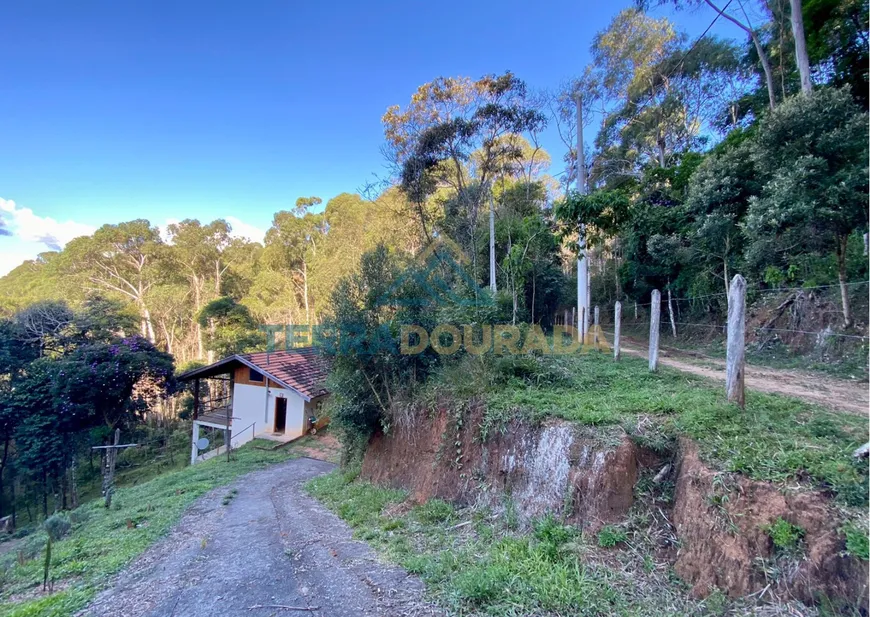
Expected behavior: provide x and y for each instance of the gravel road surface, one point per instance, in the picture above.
(273, 551)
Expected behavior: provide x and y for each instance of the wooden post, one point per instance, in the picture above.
(635, 311)
(735, 359)
(565, 321)
(109, 478)
(617, 324)
(196, 398)
(654, 323)
(597, 326)
(671, 312)
(572, 317)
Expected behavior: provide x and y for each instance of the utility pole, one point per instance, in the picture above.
(492, 287)
(582, 262)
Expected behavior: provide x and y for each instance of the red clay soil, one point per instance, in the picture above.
(590, 479)
(722, 541)
(541, 469)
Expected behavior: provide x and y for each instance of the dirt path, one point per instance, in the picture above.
(831, 392)
(273, 547)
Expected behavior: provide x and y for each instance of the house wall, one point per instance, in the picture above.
(249, 406)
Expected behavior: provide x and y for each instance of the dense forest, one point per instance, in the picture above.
(710, 157)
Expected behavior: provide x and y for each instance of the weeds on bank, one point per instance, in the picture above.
(473, 563)
(102, 541)
(775, 438)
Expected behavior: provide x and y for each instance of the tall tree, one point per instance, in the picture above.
(455, 135)
(811, 154)
(197, 251)
(123, 259)
(291, 244)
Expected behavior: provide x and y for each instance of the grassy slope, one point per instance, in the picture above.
(101, 543)
(475, 563)
(776, 438)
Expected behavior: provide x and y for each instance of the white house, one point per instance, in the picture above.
(272, 395)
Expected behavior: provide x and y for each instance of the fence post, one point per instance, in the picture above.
(655, 318)
(735, 359)
(565, 319)
(671, 312)
(109, 478)
(597, 325)
(617, 324)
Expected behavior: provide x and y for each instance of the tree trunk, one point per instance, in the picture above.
(2, 470)
(44, 495)
(725, 268)
(149, 326)
(671, 312)
(842, 244)
(73, 484)
(197, 300)
(768, 72)
(800, 46)
(305, 292)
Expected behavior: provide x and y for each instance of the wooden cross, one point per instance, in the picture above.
(109, 469)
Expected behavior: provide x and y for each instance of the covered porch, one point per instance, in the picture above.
(213, 417)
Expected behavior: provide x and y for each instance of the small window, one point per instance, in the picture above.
(254, 375)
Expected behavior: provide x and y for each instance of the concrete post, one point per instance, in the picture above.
(654, 324)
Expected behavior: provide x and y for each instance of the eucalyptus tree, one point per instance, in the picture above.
(740, 17)
(658, 95)
(453, 138)
(291, 243)
(197, 251)
(124, 259)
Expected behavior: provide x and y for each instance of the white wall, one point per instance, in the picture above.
(249, 406)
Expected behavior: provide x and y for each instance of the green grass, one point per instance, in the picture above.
(775, 438)
(103, 541)
(610, 536)
(786, 537)
(473, 562)
(857, 541)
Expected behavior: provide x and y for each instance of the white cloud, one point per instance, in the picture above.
(245, 230)
(25, 225)
(24, 234)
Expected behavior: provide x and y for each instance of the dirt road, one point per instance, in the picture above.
(271, 551)
(836, 394)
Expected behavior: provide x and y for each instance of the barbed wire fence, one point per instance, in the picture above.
(677, 330)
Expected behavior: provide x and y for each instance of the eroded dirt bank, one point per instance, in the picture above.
(589, 477)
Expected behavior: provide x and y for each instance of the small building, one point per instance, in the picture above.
(270, 395)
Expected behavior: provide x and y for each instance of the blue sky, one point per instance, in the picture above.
(165, 110)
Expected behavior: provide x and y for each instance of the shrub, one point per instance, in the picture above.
(552, 536)
(610, 536)
(857, 542)
(785, 536)
(433, 511)
(57, 526)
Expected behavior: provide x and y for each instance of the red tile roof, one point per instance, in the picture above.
(302, 369)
